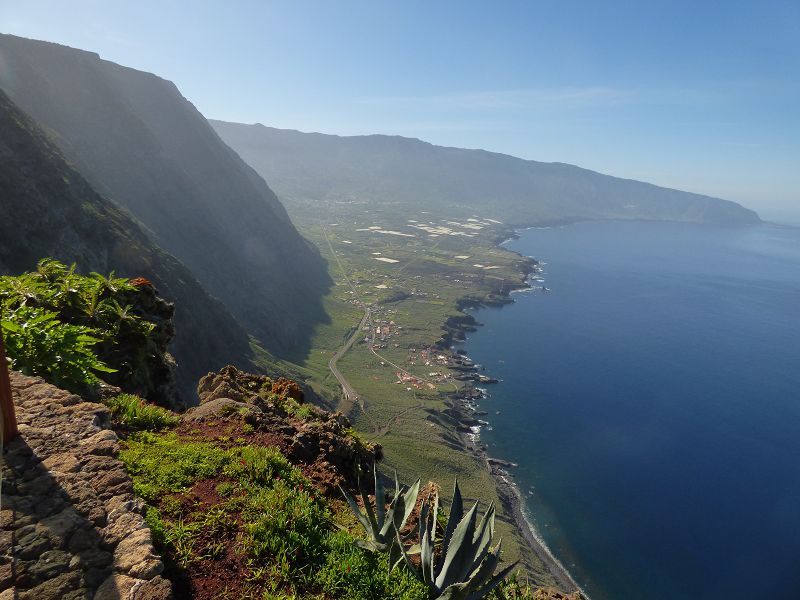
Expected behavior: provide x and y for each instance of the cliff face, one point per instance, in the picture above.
(48, 209)
(144, 146)
(305, 168)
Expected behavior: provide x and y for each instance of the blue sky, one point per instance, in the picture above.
(702, 96)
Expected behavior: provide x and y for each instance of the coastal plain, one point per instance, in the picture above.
(401, 281)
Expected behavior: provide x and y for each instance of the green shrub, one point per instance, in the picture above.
(135, 413)
(38, 343)
(157, 526)
(73, 329)
(286, 525)
(278, 520)
(294, 408)
(513, 588)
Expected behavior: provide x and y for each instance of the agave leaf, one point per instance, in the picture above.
(435, 518)
(380, 498)
(356, 511)
(366, 545)
(368, 508)
(456, 514)
(414, 549)
(422, 520)
(484, 570)
(426, 558)
(406, 557)
(493, 583)
(395, 555)
(389, 517)
(410, 501)
(483, 536)
(459, 559)
(457, 591)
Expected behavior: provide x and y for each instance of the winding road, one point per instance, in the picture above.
(349, 394)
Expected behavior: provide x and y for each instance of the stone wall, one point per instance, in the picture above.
(70, 526)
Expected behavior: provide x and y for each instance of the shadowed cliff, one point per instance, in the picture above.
(144, 146)
(48, 209)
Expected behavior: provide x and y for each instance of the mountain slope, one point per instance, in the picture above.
(307, 167)
(143, 145)
(48, 209)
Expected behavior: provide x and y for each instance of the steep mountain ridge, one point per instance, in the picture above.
(305, 168)
(143, 145)
(48, 209)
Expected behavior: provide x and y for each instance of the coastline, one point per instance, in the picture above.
(509, 493)
(514, 504)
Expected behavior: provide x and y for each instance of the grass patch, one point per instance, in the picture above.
(135, 413)
(271, 515)
(256, 466)
(354, 574)
(162, 464)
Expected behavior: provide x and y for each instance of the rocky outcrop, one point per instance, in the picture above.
(71, 526)
(238, 385)
(323, 444)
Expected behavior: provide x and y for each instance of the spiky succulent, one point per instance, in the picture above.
(465, 569)
(380, 524)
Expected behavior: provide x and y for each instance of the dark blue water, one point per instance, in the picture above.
(652, 400)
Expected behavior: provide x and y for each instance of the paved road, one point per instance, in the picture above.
(349, 394)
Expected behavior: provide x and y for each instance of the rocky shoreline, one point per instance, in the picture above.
(514, 505)
(463, 413)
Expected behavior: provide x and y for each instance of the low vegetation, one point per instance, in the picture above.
(248, 512)
(133, 412)
(74, 330)
(237, 519)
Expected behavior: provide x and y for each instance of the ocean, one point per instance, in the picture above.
(651, 399)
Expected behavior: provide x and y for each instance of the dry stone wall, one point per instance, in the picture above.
(71, 528)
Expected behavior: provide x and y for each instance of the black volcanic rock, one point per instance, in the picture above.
(47, 209)
(144, 146)
(411, 175)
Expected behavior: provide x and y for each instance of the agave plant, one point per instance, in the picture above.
(382, 525)
(465, 569)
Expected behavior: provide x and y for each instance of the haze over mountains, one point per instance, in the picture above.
(305, 168)
(144, 146)
(49, 209)
(114, 169)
